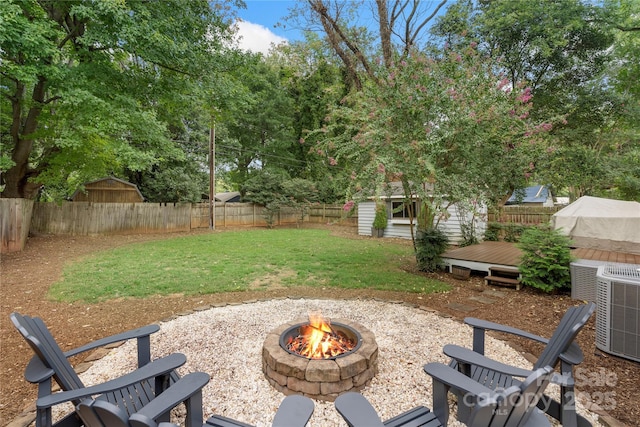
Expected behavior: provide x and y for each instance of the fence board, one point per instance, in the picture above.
(526, 215)
(15, 217)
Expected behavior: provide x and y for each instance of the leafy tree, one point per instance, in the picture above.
(627, 181)
(258, 127)
(580, 59)
(439, 127)
(276, 99)
(97, 88)
(275, 191)
(315, 84)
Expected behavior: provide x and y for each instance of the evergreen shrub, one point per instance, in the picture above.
(431, 243)
(380, 220)
(546, 259)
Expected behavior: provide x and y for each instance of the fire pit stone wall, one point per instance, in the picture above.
(319, 379)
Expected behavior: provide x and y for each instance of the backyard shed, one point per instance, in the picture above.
(604, 224)
(228, 197)
(398, 222)
(108, 190)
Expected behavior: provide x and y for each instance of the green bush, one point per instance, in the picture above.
(430, 245)
(492, 233)
(546, 258)
(512, 232)
(380, 220)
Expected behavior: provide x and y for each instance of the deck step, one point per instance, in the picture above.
(501, 279)
(503, 276)
(505, 270)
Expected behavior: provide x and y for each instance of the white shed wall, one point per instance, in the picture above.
(400, 228)
(366, 213)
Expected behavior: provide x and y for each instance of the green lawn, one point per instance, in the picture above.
(238, 261)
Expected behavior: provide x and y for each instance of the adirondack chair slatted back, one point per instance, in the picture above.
(132, 398)
(517, 403)
(570, 325)
(37, 335)
(101, 414)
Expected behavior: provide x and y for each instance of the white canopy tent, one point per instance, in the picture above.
(604, 224)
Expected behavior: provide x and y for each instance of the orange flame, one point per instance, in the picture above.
(318, 340)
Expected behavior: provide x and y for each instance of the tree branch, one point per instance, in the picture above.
(334, 31)
(429, 18)
(614, 25)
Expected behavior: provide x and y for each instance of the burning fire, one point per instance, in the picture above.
(318, 340)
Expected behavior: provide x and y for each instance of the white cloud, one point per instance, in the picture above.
(256, 38)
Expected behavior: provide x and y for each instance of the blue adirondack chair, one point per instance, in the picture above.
(511, 407)
(560, 349)
(131, 392)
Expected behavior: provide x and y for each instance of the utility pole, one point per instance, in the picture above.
(212, 175)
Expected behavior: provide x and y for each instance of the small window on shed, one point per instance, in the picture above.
(401, 209)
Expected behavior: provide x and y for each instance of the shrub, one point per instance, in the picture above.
(380, 220)
(512, 232)
(468, 231)
(430, 245)
(492, 233)
(546, 258)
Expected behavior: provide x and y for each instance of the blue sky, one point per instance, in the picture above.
(260, 17)
(258, 29)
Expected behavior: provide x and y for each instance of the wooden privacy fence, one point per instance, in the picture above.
(525, 215)
(85, 218)
(15, 216)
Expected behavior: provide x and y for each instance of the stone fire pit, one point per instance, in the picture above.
(323, 379)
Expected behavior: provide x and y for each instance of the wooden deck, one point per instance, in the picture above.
(504, 254)
(596, 255)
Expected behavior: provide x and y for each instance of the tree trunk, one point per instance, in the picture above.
(385, 32)
(16, 178)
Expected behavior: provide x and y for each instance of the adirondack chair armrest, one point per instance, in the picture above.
(480, 326)
(294, 411)
(451, 378)
(188, 390)
(357, 411)
(573, 355)
(465, 356)
(141, 334)
(154, 369)
(36, 371)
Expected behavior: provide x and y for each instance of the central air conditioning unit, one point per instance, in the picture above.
(583, 279)
(618, 316)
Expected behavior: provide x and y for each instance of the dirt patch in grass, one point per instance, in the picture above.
(25, 278)
(272, 281)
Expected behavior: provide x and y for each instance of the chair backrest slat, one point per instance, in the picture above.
(43, 344)
(570, 325)
(514, 405)
(530, 393)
